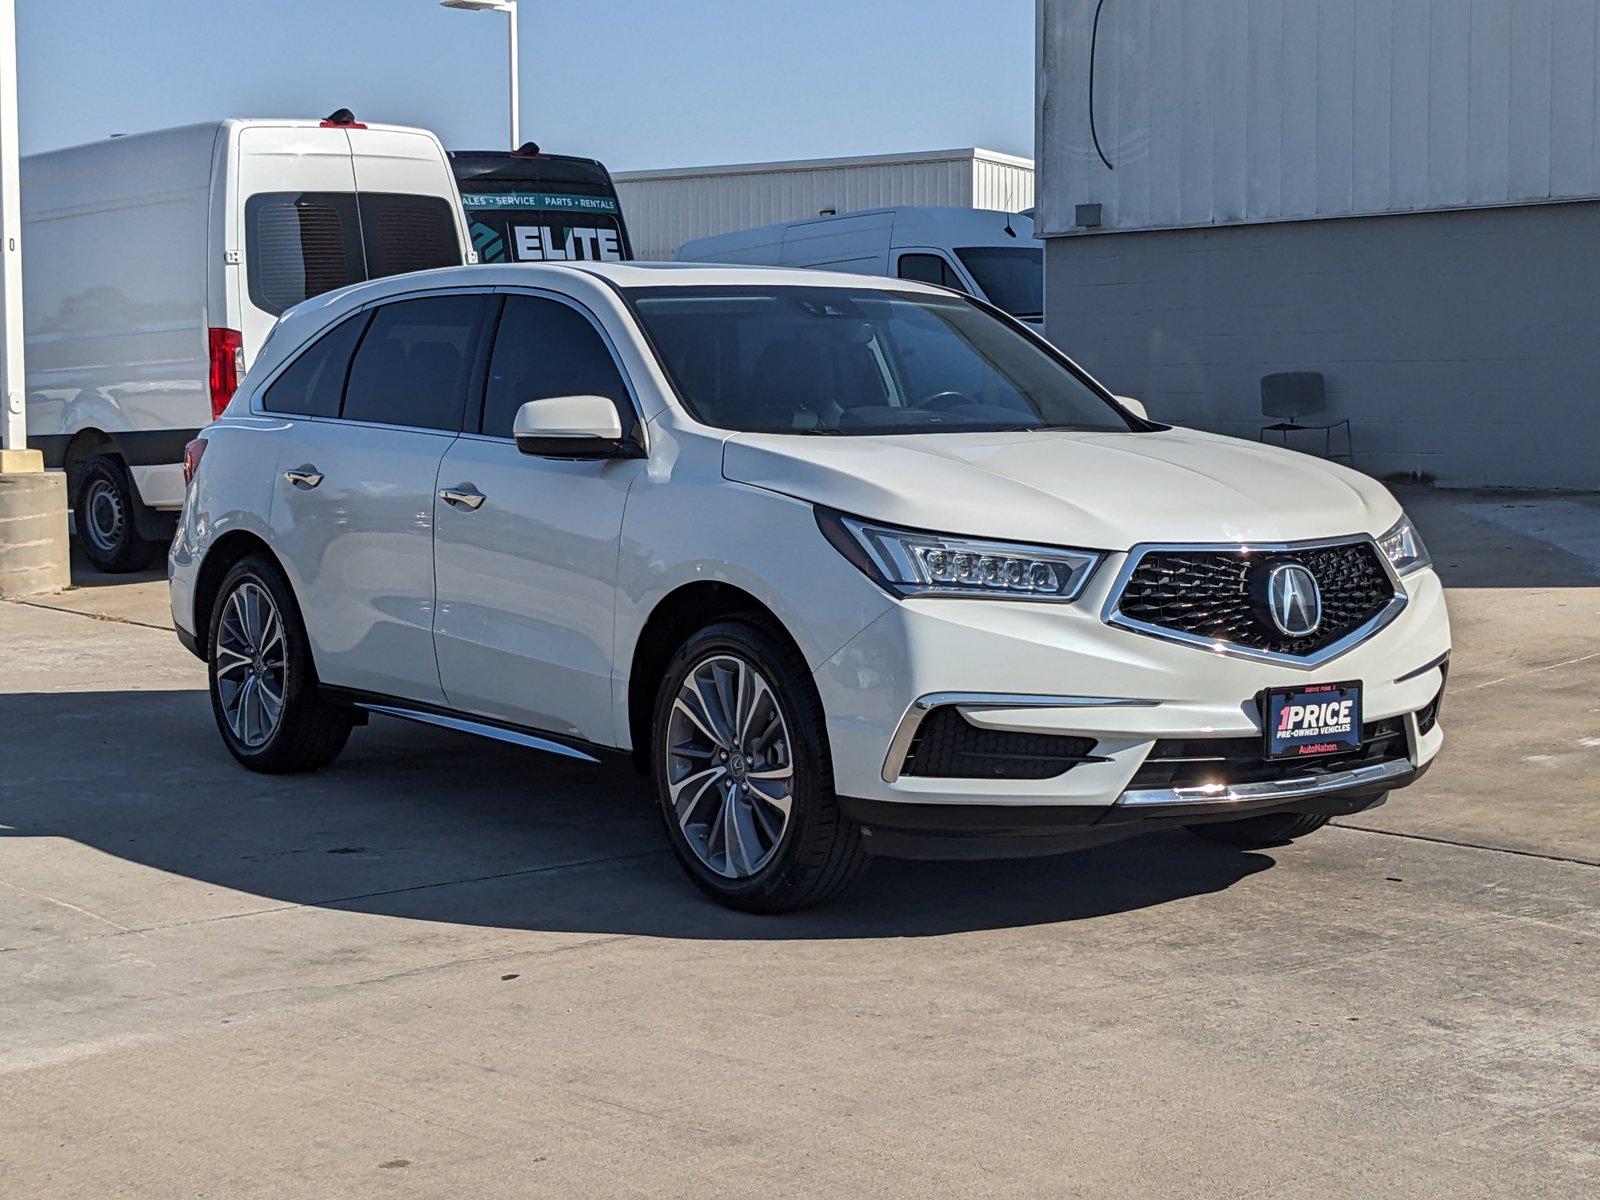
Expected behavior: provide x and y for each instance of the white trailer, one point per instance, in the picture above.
(667, 208)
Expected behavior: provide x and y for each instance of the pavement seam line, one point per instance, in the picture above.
(1535, 670)
(1444, 841)
(93, 616)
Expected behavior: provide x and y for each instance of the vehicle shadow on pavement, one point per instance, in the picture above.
(429, 825)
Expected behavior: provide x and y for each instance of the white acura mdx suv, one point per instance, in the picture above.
(850, 565)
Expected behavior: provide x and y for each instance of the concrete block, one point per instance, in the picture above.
(33, 533)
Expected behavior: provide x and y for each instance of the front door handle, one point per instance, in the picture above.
(463, 495)
(304, 476)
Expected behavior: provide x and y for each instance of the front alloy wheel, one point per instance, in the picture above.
(730, 776)
(743, 776)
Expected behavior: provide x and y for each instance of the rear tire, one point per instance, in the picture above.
(1257, 833)
(737, 724)
(106, 509)
(264, 691)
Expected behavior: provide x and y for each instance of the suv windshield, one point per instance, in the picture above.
(1011, 276)
(788, 359)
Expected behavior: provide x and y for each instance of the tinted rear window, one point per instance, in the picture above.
(407, 233)
(414, 361)
(301, 244)
(314, 382)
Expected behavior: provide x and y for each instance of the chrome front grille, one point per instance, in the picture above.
(1204, 595)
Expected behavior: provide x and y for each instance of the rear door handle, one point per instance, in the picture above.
(463, 495)
(304, 476)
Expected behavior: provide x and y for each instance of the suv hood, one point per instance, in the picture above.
(1104, 491)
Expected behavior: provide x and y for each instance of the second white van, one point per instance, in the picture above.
(155, 266)
(989, 254)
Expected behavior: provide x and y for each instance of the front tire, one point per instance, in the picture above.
(263, 686)
(1257, 833)
(106, 509)
(744, 781)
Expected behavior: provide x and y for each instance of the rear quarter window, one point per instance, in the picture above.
(313, 385)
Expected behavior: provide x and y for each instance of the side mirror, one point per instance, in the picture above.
(572, 427)
(1136, 407)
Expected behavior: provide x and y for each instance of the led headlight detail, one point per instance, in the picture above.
(1403, 547)
(913, 563)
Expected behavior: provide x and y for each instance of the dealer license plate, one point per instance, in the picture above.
(1305, 722)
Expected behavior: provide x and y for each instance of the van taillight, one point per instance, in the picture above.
(191, 460)
(227, 367)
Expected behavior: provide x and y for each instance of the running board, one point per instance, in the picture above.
(464, 725)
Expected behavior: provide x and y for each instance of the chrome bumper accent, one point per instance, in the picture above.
(900, 743)
(1296, 788)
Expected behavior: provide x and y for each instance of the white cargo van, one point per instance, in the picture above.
(988, 254)
(155, 265)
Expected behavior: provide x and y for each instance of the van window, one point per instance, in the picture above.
(546, 348)
(314, 383)
(930, 268)
(414, 361)
(1012, 277)
(301, 244)
(407, 233)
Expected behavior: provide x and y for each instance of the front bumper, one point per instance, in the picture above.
(1061, 670)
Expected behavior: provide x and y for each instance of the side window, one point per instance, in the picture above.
(300, 244)
(546, 348)
(314, 382)
(407, 233)
(414, 361)
(929, 268)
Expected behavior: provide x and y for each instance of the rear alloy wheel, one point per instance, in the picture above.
(742, 773)
(264, 691)
(105, 511)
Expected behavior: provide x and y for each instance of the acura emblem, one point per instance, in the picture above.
(1293, 600)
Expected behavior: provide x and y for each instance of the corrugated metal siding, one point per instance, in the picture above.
(1001, 185)
(665, 210)
(1227, 111)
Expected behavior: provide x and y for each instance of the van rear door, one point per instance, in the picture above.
(411, 218)
(302, 234)
(322, 207)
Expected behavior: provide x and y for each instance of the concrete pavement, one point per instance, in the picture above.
(445, 967)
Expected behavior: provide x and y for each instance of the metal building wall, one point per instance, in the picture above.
(1461, 345)
(664, 209)
(1226, 111)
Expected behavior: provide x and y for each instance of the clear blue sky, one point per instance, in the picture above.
(636, 83)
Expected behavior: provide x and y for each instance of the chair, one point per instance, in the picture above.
(1292, 395)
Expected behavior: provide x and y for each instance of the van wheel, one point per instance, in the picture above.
(743, 776)
(1256, 833)
(106, 512)
(263, 687)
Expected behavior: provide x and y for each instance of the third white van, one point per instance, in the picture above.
(989, 254)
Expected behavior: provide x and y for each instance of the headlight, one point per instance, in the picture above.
(911, 563)
(1403, 547)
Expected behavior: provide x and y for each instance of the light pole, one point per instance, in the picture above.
(509, 7)
(33, 501)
